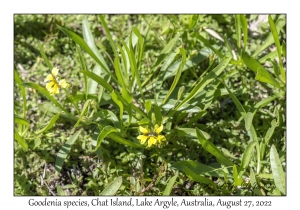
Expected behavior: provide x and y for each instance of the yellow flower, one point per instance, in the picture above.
(54, 82)
(153, 137)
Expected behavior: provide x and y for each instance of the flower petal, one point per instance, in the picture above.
(55, 89)
(144, 130)
(49, 78)
(158, 129)
(49, 86)
(161, 138)
(151, 141)
(63, 83)
(142, 138)
(55, 71)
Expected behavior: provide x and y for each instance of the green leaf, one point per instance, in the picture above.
(277, 171)
(167, 49)
(148, 106)
(21, 121)
(98, 79)
(45, 93)
(211, 76)
(170, 185)
(199, 168)
(198, 178)
(92, 84)
(158, 115)
(21, 141)
(113, 187)
(108, 35)
(208, 146)
(86, 48)
(248, 120)
(83, 112)
(123, 141)
(177, 77)
(245, 29)
(44, 56)
(119, 103)
(65, 150)
(237, 179)
(238, 30)
(280, 23)
(60, 191)
(248, 154)
(278, 47)
(23, 92)
(49, 125)
(193, 21)
(261, 73)
(207, 44)
(104, 132)
(126, 95)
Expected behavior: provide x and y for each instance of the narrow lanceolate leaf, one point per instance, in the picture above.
(21, 141)
(248, 154)
(104, 132)
(267, 138)
(211, 76)
(113, 187)
(86, 48)
(280, 23)
(121, 140)
(157, 113)
(50, 124)
(21, 121)
(277, 171)
(167, 49)
(208, 146)
(278, 47)
(44, 56)
(98, 79)
(195, 177)
(170, 185)
(261, 73)
(177, 77)
(148, 106)
(23, 92)
(237, 179)
(248, 120)
(83, 112)
(108, 35)
(115, 98)
(126, 95)
(238, 30)
(207, 44)
(45, 93)
(65, 150)
(245, 29)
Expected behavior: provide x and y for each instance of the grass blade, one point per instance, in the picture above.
(238, 30)
(65, 150)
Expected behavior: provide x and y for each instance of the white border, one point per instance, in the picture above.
(8, 8)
